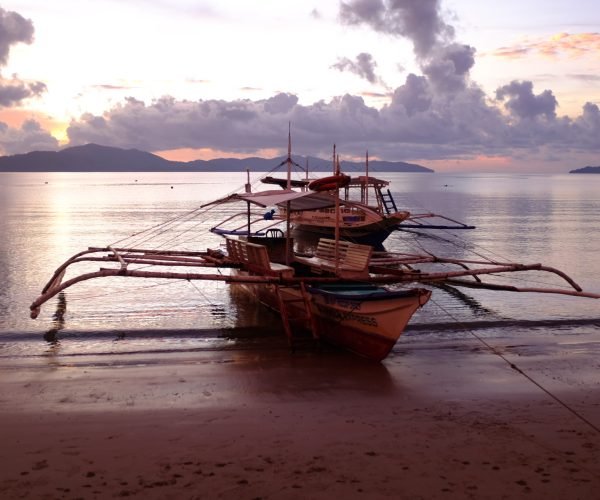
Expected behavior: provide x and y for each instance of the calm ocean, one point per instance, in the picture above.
(48, 217)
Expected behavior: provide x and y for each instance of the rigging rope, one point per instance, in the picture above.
(519, 370)
(172, 224)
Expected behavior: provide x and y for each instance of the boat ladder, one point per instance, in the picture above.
(387, 201)
(296, 315)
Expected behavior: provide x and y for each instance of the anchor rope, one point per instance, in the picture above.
(87, 296)
(201, 293)
(519, 370)
(171, 224)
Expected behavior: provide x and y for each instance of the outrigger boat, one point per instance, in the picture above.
(367, 212)
(333, 299)
(344, 293)
(359, 221)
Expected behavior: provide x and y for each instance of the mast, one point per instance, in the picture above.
(289, 157)
(337, 216)
(334, 159)
(306, 177)
(367, 184)
(248, 190)
(288, 246)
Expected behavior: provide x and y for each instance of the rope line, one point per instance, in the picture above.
(519, 370)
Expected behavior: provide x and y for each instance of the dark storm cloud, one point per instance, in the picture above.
(30, 137)
(364, 66)
(420, 21)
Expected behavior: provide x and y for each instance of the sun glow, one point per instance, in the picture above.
(190, 154)
(480, 163)
(15, 118)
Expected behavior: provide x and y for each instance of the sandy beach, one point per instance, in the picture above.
(436, 420)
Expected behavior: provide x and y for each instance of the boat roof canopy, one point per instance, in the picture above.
(298, 200)
(283, 182)
(363, 180)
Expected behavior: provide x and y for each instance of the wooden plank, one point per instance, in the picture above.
(351, 255)
(255, 258)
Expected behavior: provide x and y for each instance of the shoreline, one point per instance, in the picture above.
(429, 422)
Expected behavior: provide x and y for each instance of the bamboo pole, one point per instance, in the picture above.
(118, 256)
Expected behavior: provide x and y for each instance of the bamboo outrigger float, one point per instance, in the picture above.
(335, 301)
(384, 268)
(342, 292)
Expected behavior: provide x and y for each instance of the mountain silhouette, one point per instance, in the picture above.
(586, 170)
(96, 158)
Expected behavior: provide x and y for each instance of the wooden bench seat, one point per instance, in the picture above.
(353, 259)
(255, 258)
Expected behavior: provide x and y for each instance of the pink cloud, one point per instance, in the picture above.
(561, 44)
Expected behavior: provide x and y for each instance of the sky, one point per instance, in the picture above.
(455, 85)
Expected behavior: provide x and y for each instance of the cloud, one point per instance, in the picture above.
(280, 103)
(420, 21)
(514, 52)
(238, 125)
(586, 128)
(585, 77)
(418, 123)
(440, 114)
(110, 86)
(413, 97)
(14, 28)
(561, 44)
(522, 103)
(444, 62)
(444, 114)
(12, 92)
(30, 137)
(364, 66)
(448, 67)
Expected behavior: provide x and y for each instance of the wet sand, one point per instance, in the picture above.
(435, 420)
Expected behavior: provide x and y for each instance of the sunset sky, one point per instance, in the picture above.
(455, 85)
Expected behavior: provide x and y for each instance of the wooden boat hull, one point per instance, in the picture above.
(364, 319)
(373, 234)
(368, 325)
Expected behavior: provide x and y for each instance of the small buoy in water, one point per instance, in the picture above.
(46, 182)
(171, 187)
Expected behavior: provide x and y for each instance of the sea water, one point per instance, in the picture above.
(48, 217)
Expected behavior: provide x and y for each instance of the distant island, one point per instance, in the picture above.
(586, 170)
(96, 158)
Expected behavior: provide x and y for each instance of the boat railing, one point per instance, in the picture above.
(242, 229)
(255, 258)
(346, 259)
